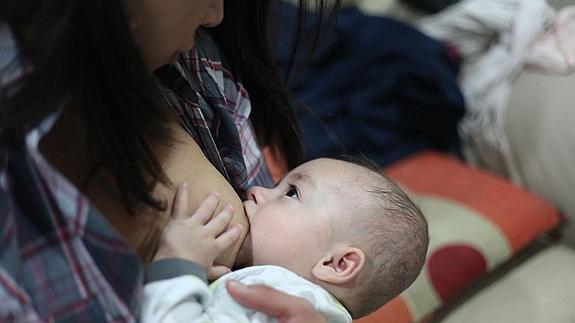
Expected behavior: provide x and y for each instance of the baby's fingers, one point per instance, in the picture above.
(208, 207)
(229, 237)
(180, 207)
(220, 222)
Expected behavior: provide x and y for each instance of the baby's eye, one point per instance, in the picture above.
(292, 192)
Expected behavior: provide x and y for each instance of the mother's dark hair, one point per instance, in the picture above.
(244, 38)
(83, 55)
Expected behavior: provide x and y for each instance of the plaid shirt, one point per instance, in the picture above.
(214, 109)
(60, 260)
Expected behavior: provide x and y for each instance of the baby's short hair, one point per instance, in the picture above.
(393, 234)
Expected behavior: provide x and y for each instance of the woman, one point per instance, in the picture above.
(83, 130)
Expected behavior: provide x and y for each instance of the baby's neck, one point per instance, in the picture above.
(244, 258)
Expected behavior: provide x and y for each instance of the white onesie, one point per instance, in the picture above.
(189, 299)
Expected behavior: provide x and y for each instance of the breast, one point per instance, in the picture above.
(182, 161)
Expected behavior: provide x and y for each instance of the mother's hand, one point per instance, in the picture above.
(286, 308)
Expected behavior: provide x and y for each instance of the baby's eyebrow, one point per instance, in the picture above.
(302, 177)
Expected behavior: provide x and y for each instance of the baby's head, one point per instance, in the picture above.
(343, 226)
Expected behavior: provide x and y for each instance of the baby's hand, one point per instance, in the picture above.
(200, 237)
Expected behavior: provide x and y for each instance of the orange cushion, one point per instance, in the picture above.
(477, 221)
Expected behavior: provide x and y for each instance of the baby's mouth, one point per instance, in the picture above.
(249, 208)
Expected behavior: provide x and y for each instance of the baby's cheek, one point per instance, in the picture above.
(265, 249)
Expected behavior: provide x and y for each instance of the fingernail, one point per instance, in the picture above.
(236, 285)
(216, 194)
(184, 185)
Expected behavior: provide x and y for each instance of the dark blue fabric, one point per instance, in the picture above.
(375, 87)
(430, 6)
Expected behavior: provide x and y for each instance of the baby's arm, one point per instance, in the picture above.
(176, 288)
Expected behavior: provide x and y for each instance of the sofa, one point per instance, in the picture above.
(502, 238)
(537, 283)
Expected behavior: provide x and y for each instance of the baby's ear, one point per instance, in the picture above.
(340, 266)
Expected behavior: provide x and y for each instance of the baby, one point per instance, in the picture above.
(339, 234)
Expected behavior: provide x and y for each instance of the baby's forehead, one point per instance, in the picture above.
(338, 181)
(334, 169)
(348, 174)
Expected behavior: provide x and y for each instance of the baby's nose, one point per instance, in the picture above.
(253, 194)
(257, 194)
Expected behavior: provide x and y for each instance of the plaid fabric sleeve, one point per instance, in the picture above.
(15, 303)
(59, 259)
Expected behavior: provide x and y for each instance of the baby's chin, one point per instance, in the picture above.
(244, 258)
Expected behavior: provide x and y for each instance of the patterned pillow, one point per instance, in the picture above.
(477, 221)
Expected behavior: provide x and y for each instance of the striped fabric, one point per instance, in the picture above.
(214, 108)
(60, 260)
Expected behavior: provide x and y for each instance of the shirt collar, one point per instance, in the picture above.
(10, 65)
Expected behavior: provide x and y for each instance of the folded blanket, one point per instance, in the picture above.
(498, 39)
(375, 86)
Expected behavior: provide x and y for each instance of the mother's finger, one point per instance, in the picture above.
(286, 308)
